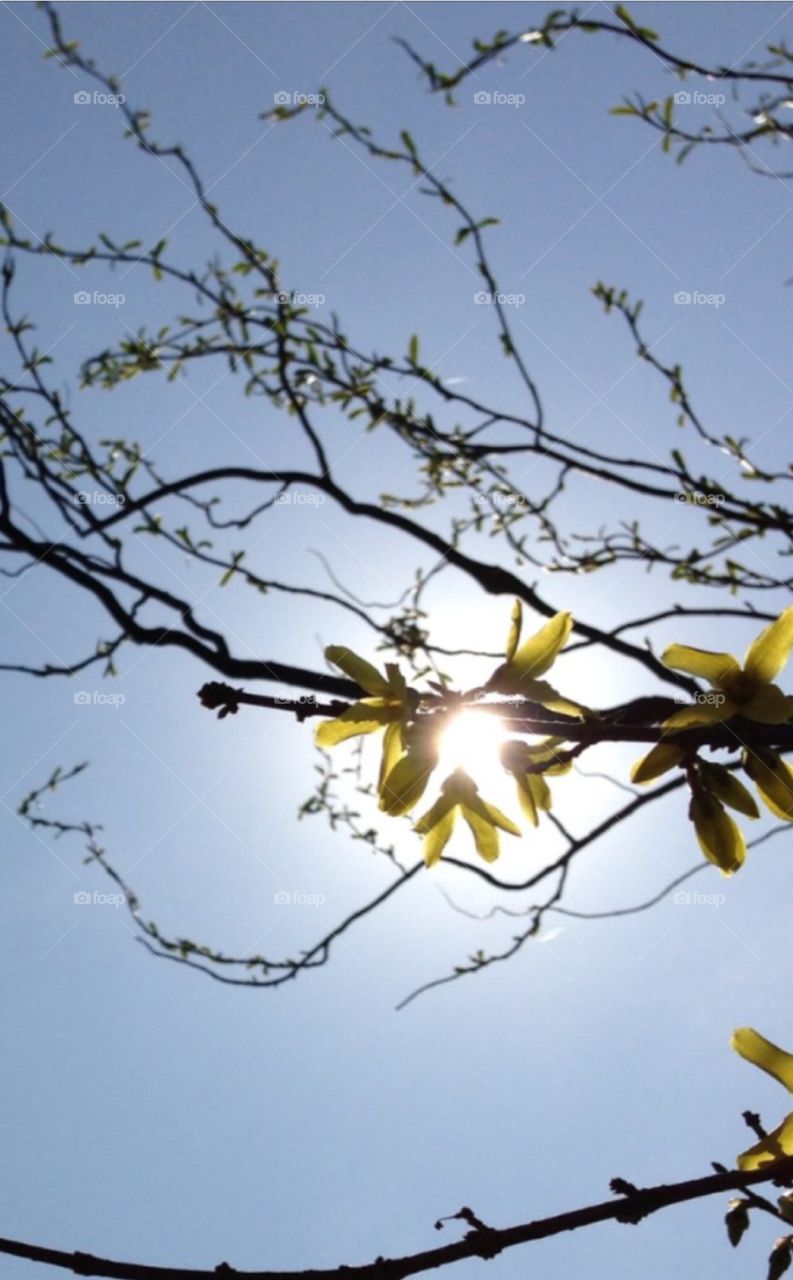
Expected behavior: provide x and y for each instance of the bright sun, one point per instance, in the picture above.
(472, 742)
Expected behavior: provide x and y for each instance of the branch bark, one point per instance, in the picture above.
(481, 1242)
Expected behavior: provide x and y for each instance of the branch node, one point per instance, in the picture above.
(84, 1264)
(633, 1211)
(216, 695)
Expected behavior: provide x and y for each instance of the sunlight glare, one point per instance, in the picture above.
(472, 742)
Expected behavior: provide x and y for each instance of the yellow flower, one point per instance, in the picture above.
(762, 1053)
(390, 704)
(524, 664)
(403, 782)
(720, 839)
(460, 793)
(773, 778)
(520, 759)
(662, 757)
(746, 690)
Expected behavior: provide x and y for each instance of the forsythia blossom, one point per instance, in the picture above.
(762, 1053)
(746, 690)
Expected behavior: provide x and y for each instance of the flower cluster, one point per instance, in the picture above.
(410, 742)
(409, 722)
(746, 691)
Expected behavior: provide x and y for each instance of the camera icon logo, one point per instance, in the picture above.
(682, 98)
(82, 698)
(482, 98)
(282, 99)
(682, 298)
(82, 97)
(82, 298)
(82, 898)
(284, 497)
(481, 298)
(282, 898)
(283, 297)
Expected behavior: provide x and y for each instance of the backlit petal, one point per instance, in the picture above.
(773, 778)
(362, 717)
(769, 705)
(704, 663)
(538, 654)
(700, 715)
(764, 1054)
(719, 838)
(662, 757)
(726, 787)
(768, 652)
(774, 1147)
(358, 669)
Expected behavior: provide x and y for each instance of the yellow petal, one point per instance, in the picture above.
(359, 670)
(719, 838)
(483, 819)
(437, 826)
(435, 813)
(768, 652)
(725, 787)
(551, 749)
(773, 778)
(777, 1144)
(540, 790)
(396, 681)
(484, 833)
(406, 783)
(662, 757)
(526, 799)
(764, 1054)
(519, 757)
(494, 815)
(769, 705)
(362, 717)
(507, 680)
(700, 715)
(393, 748)
(538, 654)
(714, 667)
(515, 624)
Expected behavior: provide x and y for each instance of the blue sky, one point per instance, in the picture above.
(153, 1115)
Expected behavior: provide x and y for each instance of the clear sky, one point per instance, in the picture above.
(153, 1115)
